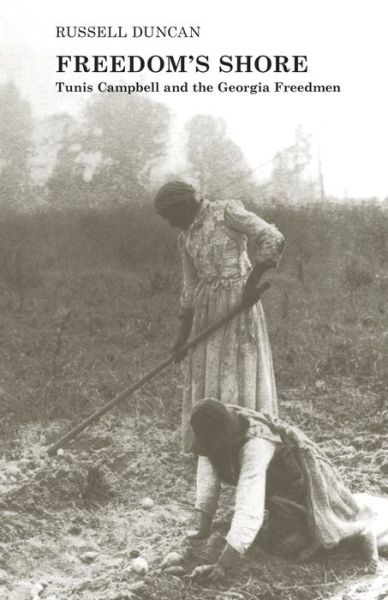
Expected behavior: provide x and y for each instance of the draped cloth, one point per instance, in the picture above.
(333, 513)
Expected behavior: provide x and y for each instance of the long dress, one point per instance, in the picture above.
(234, 364)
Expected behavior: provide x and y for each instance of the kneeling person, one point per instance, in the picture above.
(263, 458)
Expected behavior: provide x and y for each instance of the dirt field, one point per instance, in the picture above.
(75, 523)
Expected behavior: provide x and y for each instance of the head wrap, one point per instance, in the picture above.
(209, 417)
(173, 193)
(218, 436)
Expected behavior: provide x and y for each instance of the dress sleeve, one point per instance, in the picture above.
(267, 240)
(248, 517)
(190, 278)
(208, 486)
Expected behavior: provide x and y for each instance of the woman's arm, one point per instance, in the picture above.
(189, 276)
(248, 517)
(267, 241)
(208, 491)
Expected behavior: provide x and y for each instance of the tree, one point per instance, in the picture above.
(216, 163)
(16, 127)
(288, 182)
(63, 142)
(129, 135)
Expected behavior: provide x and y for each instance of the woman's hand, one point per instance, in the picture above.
(254, 278)
(217, 572)
(209, 573)
(204, 529)
(196, 534)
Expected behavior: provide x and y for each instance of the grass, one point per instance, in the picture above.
(88, 305)
(92, 304)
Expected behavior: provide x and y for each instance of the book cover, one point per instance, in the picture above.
(272, 116)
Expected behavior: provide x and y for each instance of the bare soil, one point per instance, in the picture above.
(74, 523)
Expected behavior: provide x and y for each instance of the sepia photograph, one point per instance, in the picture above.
(193, 300)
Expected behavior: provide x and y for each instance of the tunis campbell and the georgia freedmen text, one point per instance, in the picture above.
(135, 63)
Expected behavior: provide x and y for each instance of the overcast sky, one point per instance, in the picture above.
(346, 44)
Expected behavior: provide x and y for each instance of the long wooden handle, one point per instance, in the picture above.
(253, 298)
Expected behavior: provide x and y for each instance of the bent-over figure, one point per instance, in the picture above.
(271, 460)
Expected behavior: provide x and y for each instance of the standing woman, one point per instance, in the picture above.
(234, 364)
